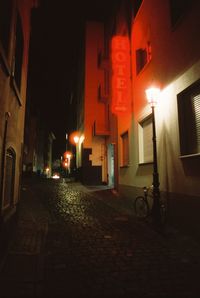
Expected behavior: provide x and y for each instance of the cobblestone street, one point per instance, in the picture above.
(72, 241)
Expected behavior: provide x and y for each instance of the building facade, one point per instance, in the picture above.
(14, 48)
(38, 143)
(164, 53)
(95, 158)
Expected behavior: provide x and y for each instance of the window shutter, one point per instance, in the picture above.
(189, 119)
(125, 149)
(196, 111)
(147, 140)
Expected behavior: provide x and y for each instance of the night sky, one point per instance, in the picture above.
(55, 41)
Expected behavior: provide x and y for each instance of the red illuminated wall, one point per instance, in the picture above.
(94, 109)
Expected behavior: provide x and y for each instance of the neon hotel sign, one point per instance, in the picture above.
(120, 75)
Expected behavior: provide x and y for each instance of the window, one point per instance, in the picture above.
(125, 149)
(18, 52)
(143, 56)
(189, 119)
(5, 22)
(102, 93)
(145, 141)
(9, 178)
(141, 59)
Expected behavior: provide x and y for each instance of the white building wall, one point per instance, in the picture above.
(174, 66)
(174, 177)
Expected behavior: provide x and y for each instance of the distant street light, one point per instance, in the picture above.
(76, 139)
(47, 170)
(67, 161)
(152, 95)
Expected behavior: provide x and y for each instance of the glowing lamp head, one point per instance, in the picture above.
(67, 154)
(76, 139)
(152, 95)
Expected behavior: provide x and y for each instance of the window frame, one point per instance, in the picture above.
(142, 57)
(141, 157)
(125, 149)
(188, 132)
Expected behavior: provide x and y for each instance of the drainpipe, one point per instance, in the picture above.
(116, 163)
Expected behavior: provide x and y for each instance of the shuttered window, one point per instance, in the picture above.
(189, 119)
(196, 112)
(125, 149)
(145, 141)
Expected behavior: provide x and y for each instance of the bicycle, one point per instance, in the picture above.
(143, 206)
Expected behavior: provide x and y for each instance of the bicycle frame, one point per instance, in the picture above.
(143, 208)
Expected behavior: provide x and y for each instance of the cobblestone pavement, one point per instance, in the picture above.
(77, 242)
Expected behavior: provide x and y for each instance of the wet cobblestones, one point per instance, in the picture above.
(91, 249)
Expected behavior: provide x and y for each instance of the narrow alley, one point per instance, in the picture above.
(73, 241)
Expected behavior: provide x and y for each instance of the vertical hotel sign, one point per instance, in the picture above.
(121, 97)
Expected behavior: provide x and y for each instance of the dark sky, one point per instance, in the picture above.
(55, 41)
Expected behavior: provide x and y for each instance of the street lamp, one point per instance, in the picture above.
(152, 95)
(76, 139)
(67, 161)
(47, 170)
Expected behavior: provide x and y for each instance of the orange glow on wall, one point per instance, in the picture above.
(121, 95)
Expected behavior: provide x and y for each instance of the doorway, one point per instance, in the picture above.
(9, 178)
(111, 166)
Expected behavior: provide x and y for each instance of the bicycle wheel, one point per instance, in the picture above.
(141, 207)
